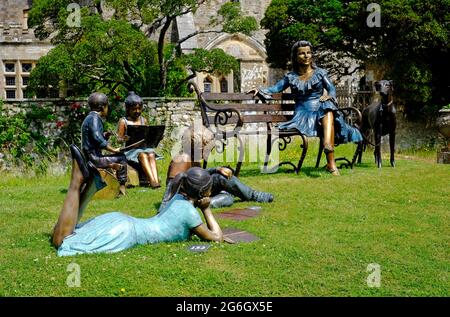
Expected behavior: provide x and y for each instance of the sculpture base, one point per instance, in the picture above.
(443, 157)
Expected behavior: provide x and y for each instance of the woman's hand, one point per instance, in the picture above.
(225, 171)
(203, 203)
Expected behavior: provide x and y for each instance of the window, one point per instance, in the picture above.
(10, 81)
(10, 68)
(223, 85)
(10, 94)
(207, 85)
(25, 81)
(26, 67)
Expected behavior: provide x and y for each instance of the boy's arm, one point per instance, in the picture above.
(97, 135)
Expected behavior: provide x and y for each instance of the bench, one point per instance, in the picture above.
(226, 115)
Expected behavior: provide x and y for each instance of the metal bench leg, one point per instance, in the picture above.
(268, 149)
(319, 155)
(358, 153)
(305, 149)
(241, 149)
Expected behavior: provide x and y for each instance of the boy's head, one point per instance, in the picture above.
(98, 102)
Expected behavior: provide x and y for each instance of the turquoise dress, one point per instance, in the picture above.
(115, 231)
(309, 110)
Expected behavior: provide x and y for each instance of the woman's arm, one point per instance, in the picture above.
(267, 92)
(211, 230)
(278, 87)
(328, 85)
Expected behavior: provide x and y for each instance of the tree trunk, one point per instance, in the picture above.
(161, 59)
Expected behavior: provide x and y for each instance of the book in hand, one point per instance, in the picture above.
(144, 136)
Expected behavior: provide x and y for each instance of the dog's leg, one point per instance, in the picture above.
(362, 146)
(377, 151)
(392, 147)
(360, 151)
(392, 128)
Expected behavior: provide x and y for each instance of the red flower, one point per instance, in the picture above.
(59, 124)
(75, 106)
(118, 97)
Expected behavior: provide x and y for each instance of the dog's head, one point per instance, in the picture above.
(384, 87)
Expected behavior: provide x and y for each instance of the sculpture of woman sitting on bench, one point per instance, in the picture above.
(115, 231)
(146, 157)
(315, 114)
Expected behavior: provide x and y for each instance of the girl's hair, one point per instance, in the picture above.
(132, 100)
(195, 183)
(294, 50)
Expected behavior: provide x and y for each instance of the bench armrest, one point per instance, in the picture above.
(222, 115)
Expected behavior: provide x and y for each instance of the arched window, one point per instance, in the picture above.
(207, 84)
(223, 85)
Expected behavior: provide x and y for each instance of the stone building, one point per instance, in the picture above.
(248, 50)
(19, 48)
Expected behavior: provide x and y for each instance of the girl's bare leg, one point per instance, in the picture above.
(68, 217)
(148, 163)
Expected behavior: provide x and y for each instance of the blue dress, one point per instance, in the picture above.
(309, 110)
(115, 231)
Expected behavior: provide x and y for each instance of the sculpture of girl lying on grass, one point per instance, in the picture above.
(115, 231)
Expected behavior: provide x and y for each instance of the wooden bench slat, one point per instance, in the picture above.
(227, 96)
(254, 107)
(242, 96)
(256, 118)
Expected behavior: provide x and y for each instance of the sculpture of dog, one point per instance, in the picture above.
(381, 118)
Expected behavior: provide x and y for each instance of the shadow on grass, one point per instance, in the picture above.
(308, 171)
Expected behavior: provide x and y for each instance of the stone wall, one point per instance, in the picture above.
(178, 112)
(172, 112)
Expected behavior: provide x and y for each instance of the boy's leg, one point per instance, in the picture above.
(117, 162)
(235, 187)
(223, 199)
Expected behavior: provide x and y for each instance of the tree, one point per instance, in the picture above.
(111, 47)
(411, 42)
(108, 55)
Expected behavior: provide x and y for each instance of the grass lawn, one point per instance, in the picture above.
(397, 218)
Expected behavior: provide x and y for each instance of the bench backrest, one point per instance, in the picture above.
(252, 108)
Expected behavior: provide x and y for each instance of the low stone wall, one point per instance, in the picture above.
(170, 111)
(176, 112)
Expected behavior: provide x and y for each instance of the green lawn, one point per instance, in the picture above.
(397, 218)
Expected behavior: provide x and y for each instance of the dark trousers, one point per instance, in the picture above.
(233, 186)
(222, 193)
(104, 161)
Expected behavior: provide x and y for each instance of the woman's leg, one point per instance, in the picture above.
(68, 217)
(148, 163)
(328, 142)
